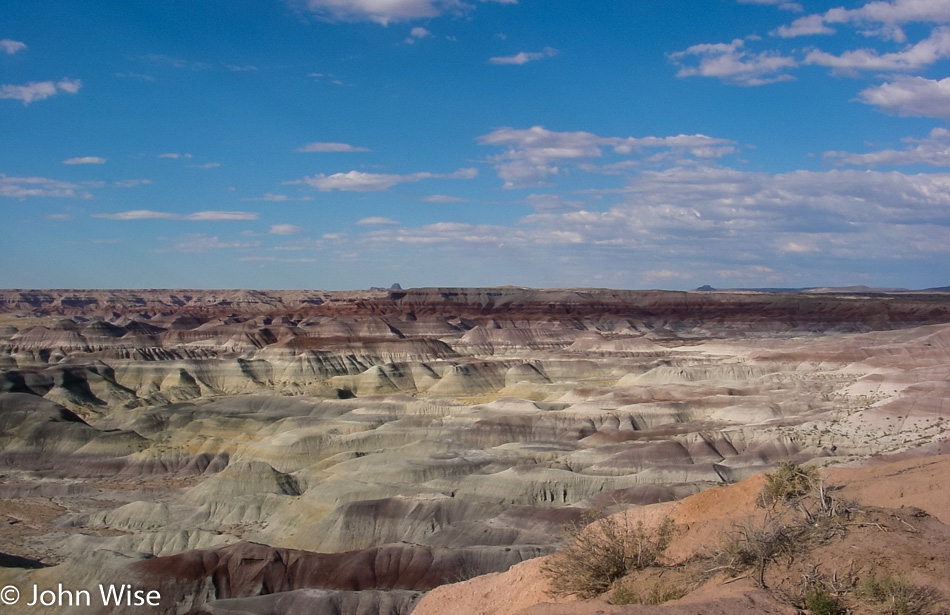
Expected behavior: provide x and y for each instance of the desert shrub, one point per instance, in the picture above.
(789, 482)
(820, 601)
(895, 595)
(659, 593)
(754, 545)
(624, 595)
(599, 553)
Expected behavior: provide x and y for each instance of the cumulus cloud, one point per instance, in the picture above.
(200, 216)
(416, 34)
(731, 63)
(913, 57)
(524, 57)
(39, 90)
(933, 150)
(883, 19)
(331, 147)
(85, 160)
(911, 96)
(895, 12)
(11, 47)
(385, 12)
(533, 154)
(23, 187)
(804, 26)
(285, 229)
(357, 181)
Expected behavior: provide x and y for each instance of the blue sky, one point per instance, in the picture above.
(342, 144)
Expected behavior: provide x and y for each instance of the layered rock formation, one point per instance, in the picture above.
(178, 437)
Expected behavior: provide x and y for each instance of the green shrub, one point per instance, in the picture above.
(598, 554)
(820, 601)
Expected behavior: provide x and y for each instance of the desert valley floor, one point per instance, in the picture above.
(279, 452)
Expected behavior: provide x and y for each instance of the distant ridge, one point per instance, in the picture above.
(818, 290)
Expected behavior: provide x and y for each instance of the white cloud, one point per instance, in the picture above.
(11, 47)
(666, 274)
(442, 198)
(804, 26)
(893, 13)
(273, 259)
(199, 242)
(911, 96)
(524, 57)
(782, 4)
(377, 221)
(279, 198)
(131, 183)
(201, 216)
(285, 229)
(22, 187)
(933, 150)
(552, 203)
(385, 12)
(357, 181)
(206, 165)
(85, 160)
(40, 90)
(446, 233)
(882, 19)
(712, 223)
(175, 156)
(913, 57)
(534, 153)
(798, 248)
(416, 34)
(731, 63)
(331, 147)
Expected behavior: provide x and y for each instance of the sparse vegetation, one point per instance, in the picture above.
(895, 595)
(754, 546)
(604, 550)
(820, 601)
(658, 593)
(788, 483)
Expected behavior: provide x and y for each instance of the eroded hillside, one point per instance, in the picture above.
(346, 452)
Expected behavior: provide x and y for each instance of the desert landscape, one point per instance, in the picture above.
(389, 452)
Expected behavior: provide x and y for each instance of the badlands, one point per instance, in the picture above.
(368, 452)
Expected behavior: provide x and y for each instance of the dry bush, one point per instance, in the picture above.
(755, 545)
(602, 551)
(894, 595)
(788, 483)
